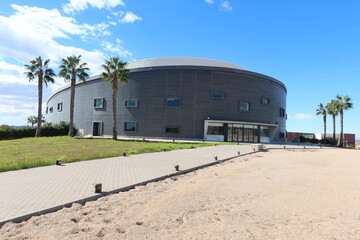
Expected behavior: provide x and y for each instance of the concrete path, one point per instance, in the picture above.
(28, 192)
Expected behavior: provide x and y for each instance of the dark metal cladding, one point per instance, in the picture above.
(192, 80)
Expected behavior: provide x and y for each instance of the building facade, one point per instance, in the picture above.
(180, 98)
(349, 138)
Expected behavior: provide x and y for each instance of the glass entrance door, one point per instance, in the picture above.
(235, 133)
(246, 135)
(242, 133)
(230, 134)
(249, 133)
(256, 134)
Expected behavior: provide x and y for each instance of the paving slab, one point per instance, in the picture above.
(34, 191)
(31, 191)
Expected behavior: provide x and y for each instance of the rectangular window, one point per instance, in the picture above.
(131, 103)
(173, 102)
(282, 112)
(59, 107)
(217, 95)
(98, 102)
(244, 107)
(215, 129)
(51, 110)
(47, 110)
(281, 135)
(265, 101)
(172, 130)
(130, 126)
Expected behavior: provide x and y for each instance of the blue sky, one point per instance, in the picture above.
(311, 46)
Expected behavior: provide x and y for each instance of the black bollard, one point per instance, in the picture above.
(98, 187)
(177, 168)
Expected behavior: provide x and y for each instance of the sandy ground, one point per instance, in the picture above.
(280, 194)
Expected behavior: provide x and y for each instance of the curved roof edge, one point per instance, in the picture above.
(182, 61)
(168, 62)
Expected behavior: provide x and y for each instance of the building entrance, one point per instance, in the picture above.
(97, 127)
(242, 133)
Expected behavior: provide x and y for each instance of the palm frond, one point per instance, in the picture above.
(321, 110)
(39, 68)
(115, 71)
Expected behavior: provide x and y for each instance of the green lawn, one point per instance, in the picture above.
(35, 152)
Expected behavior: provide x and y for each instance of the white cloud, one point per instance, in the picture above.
(117, 48)
(126, 17)
(49, 24)
(10, 73)
(58, 83)
(11, 100)
(302, 116)
(130, 17)
(80, 5)
(210, 1)
(225, 5)
(18, 101)
(96, 30)
(14, 110)
(32, 32)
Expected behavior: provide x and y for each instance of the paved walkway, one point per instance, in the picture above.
(44, 189)
(28, 191)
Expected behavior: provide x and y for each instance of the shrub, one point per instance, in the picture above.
(47, 130)
(308, 140)
(5, 127)
(330, 140)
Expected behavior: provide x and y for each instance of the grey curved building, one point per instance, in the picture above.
(180, 98)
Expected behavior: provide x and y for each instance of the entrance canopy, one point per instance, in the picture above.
(238, 131)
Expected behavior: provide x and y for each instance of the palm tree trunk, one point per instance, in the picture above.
(334, 130)
(38, 128)
(114, 93)
(341, 128)
(72, 101)
(324, 129)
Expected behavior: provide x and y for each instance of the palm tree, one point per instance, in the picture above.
(72, 68)
(32, 120)
(333, 109)
(322, 111)
(39, 68)
(344, 104)
(115, 71)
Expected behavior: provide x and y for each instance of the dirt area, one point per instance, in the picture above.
(280, 194)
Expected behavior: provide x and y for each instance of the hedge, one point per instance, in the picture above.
(328, 140)
(48, 130)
